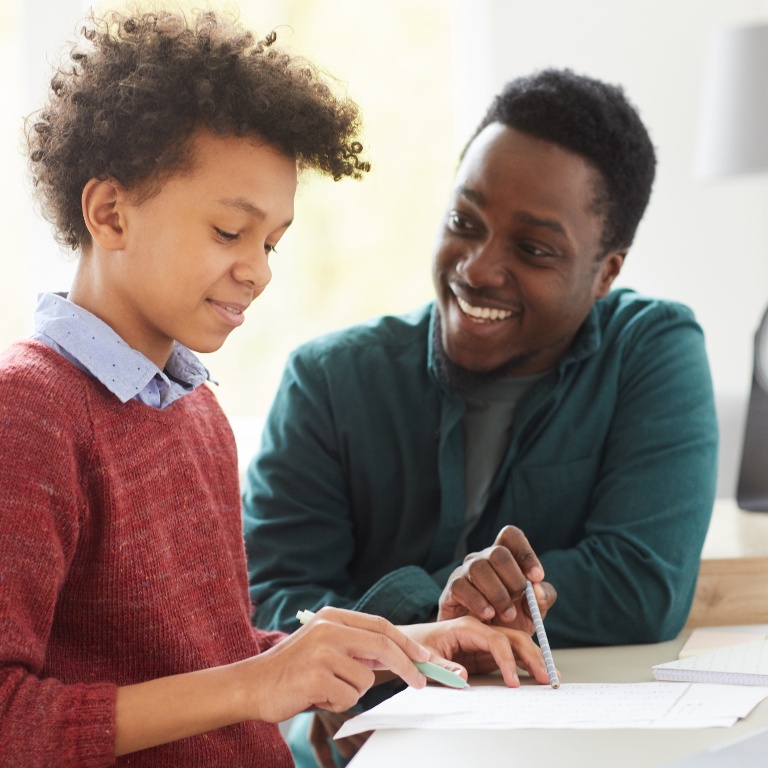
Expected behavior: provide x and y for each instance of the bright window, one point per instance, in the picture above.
(356, 249)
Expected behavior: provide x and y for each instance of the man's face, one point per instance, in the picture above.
(515, 263)
(196, 253)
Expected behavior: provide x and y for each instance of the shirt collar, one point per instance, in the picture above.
(95, 348)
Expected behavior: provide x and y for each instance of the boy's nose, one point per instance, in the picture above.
(254, 271)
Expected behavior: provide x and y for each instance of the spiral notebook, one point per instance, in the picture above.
(742, 664)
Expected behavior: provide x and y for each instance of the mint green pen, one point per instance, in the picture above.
(427, 668)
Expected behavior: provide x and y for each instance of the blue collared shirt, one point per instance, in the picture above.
(93, 347)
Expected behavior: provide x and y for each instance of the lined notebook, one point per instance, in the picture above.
(742, 664)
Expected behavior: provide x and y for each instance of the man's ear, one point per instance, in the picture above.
(608, 270)
(102, 203)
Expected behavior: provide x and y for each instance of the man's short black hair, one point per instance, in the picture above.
(596, 121)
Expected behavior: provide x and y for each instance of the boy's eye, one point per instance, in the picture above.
(226, 236)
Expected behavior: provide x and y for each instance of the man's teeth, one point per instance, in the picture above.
(483, 313)
(232, 310)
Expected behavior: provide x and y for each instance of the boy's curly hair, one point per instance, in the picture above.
(140, 85)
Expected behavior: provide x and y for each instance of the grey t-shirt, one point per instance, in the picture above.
(487, 423)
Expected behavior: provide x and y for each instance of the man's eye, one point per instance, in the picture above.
(226, 236)
(458, 222)
(535, 251)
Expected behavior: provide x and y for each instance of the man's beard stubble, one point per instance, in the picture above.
(464, 379)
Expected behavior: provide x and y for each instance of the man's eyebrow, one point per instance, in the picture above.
(537, 221)
(478, 198)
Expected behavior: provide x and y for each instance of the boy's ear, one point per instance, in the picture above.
(102, 204)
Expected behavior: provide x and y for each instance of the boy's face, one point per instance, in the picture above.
(196, 253)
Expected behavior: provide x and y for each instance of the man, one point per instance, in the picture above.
(529, 394)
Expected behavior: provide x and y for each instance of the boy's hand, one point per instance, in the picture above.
(467, 645)
(462, 645)
(329, 663)
(491, 584)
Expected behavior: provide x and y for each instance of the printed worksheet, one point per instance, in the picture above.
(573, 705)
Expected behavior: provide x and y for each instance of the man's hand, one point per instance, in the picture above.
(491, 584)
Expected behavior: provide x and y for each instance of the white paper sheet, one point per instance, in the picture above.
(573, 705)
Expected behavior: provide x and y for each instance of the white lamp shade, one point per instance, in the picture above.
(733, 134)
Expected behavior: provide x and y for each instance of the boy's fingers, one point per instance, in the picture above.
(453, 666)
(528, 655)
(376, 643)
(379, 626)
(495, 641)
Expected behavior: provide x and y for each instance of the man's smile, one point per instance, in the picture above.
(483, 314)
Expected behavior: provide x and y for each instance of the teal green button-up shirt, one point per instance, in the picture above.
(357, 496)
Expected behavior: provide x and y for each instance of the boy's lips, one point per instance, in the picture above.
(231, 312)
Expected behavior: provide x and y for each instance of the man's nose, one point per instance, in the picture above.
(486, 264)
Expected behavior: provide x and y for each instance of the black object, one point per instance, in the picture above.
(752, 490)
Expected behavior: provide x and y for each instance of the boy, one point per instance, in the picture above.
(167, 156)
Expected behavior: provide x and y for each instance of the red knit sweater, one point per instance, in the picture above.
(121, 560)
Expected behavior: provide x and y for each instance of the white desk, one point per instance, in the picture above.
(560, 748)
(734, 533)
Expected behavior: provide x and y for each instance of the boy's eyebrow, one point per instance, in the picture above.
(242, 204)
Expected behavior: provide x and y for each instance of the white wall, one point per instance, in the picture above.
(32, 36)
(705, 244)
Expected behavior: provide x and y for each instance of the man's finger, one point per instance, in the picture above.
(463, 594)
(497, 577)
(515, 541)
(546, 596)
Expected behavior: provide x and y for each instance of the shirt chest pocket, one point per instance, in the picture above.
(551, 503)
